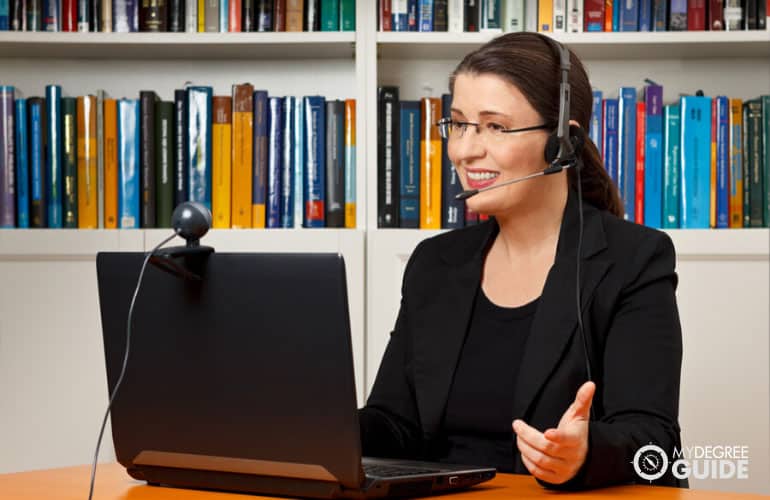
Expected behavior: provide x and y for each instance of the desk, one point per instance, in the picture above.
(112, 483)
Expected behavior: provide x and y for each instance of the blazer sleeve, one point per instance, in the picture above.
(642, 366)
(389, 423)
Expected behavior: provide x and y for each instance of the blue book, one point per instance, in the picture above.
(22, 165)
(181, 177)
(409, 209)
(399, 15)
(260, 159)
(5, 19)
(672, 127)
(129, 185)
(452, 210)
(54, 157)
(274, 161)
(659, 15)
(616, 8)
(224, 16)
(37, 171)
(627, 149)
(677, 19)
(199, 140)
(695, 162)
(723, 162)
(315, 161)
(350, 162)
(51, 20)
(645, 15)
(287, 167)
(425, 15)
(412, 17)
(610, 138)
(595, 125)
(490, 16)
(299, 163)
(653, 156)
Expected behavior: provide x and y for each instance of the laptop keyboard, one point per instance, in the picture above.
(374, 470)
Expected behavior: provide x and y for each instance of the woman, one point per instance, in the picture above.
(486, 364)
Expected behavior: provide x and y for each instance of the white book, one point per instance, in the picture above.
(575, 16)
(530, 15)
(513, 15)
(191, 16)
(559, 16)
(456, 15)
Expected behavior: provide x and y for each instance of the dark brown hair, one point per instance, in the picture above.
(530, 62)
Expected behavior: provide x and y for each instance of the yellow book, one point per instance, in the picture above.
(735, 171)
(430, 165)
(243, 127)
(350, 163)
(713, 173)
(545, 16)
(221, 130)
(87, 185)
(110, 163)
(201, 16)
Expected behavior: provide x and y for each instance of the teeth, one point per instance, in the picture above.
(482, 176)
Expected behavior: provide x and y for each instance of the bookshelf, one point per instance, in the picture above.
(53, 270)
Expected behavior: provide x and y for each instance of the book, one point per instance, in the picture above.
(335, 163)
(221, 157)
(274, 162)
(610, 138)
(294, 15)
(671, 166)
(315, 161)
(736, 163)
(452, 209)
(722, 208)
(70, 161)
(181, 159)
(243, 130)
(53, 156)
(639, 192)
(199, 144)
(101, 95)
(653, 156)
(37, 171)
(425, 15)
(596, 121)
(626, 179)
(87, 180)
(409, 163)
(350, 163)
(260, 159)
(430, 164)
(7, 158)
(387, 157)
(164, 163)
(110, 163)
(298, 148)
(22, 164)
(330, 15)
(287, 163)
(147, 103)
(128, 163)
(695, 162)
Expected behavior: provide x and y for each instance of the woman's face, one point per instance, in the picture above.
(483, 158)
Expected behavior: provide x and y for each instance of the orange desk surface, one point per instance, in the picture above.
(112, 483)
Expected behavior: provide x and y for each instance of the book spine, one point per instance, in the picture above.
(425, 15)
(199, 144)
(153, 16)
(456, 14)
(713, 186)
(452, 209)
(746, 165)
(765, 158)
(164, 163)
(409, 191)
(87, 178)
(645, 15)
(695, 162)
(34, 15)
(95, 16)
(264, 15)
(330, 15)
(398, 15)
(147, 100)
(54, 156)
(234, 16)
(201, 16)
(677, 20)
(191, 16)
(696, 15)
(412, 16)
(224, 19)
(513, 15)
(299, 163)
(350, 163)
(70, 163)
(110, 164)
(106, 19)
(84, 15)
(627, 149)
(37, 171)
(440, 20)
(653, 156)
(559, 16)
(736, 163)
(347, 15)
(279, 15)
(609, 15)
(221, 132)
(210, 16)
(575, 16)
(315, 156)
(545, 16)
(430, 160)
(610, 135)
(313, 15)
(387, 159)
(640, 164)
(629, 15)
(671, 168)
(176, 16)
(17, 17)
(22, 164)
(7, 158)
(51, 16)
(128, 163)
(259, 164)
(384, 16)
(595, 124)
(472, 15)
(733, 15)
(243, 152)
(287, 163)
(294, 15)
(274, 163)
(723, 158)
(180, 146)
(757, 185)
(100, 96)
(716, 20)
(659, 15)
(335, 164)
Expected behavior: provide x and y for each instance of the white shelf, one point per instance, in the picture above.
(690, 244)
(276, 45)
(636, 45)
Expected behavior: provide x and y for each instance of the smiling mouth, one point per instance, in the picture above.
(482, 176)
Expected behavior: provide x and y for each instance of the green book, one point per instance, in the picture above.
(671, 148)
(164, 162)
(70, 162)
(746, 168)
(330, 15)
(756, 177)
(765, 140)
(348, 15)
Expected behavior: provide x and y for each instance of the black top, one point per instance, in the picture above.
(479, 410)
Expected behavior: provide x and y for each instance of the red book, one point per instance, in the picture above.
(69, 15)
(696, 15)
(279, 15)
(716, 15)
(608, 15)
(385, 20)
(713, 166)
(594, 15)
(640, 141)
(234, 18)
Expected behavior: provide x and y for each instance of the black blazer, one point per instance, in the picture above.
(630, 319)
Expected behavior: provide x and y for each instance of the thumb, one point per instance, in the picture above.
(583, 400)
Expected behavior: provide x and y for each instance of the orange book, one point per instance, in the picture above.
(294, 15)
(545, 16)
(110, 163)
(713, 190)
(430, 164)
(608, 15)
(221, 153)
(350, 163)
(641, 113)
(735, 171)
(242, 129)
(87, 185)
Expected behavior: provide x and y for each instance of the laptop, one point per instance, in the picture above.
(243, 381)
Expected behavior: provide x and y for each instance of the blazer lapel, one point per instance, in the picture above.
(555, 321)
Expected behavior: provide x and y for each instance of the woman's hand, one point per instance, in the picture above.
(555, 456)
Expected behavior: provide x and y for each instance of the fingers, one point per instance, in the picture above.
(583, 399)
(535, 438)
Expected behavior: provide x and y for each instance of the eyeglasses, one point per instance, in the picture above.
(453, 129)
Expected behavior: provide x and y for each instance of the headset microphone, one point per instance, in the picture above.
(548, 171)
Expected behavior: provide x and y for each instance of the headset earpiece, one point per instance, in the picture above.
(551, 148)
(578, 138)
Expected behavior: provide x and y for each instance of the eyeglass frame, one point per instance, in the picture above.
(442, 123)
